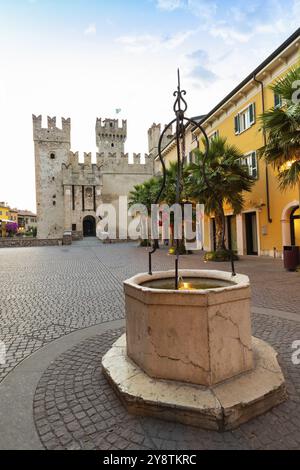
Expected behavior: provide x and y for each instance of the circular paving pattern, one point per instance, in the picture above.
(75, 407)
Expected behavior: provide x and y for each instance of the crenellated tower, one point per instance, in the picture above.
(51, 146)
(70, 187)
(109, 136)
(153, 138)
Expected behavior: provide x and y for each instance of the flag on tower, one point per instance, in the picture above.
(118, 110)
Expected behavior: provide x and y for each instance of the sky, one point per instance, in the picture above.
(85, 59)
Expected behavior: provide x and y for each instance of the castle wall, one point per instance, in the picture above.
(52, 146)
(82, 187)
(68, 191)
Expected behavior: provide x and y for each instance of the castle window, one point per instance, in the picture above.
(53, 178)
(111, 124)
(112, 144)
(52, 156)
(89, 192)
(54, 203)
(74, 227)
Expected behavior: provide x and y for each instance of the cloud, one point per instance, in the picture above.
(150, 42)
(203, 74)
(204, 9)
(199, 54)
(169, 5)
(229, 34)
(90, 30)
(199, 71)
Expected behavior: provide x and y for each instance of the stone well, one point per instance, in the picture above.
(195, 336)
(188, 355)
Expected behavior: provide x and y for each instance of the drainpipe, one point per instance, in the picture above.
(265, 143)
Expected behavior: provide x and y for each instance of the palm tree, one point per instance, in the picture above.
(224, 181)
(282, 128)
(169, 193)
(145, 194)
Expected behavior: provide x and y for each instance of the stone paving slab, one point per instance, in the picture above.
(48, 292)
(17, 430)
(76, 408)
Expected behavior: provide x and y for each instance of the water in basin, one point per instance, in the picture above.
(188, 283)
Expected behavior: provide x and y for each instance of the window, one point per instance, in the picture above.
(89, 192)
(52, 156)
(188, 159)
(112, 144)
(192, 157)
(277, 101)
(213, 136)
(74, 227)
(244, 119)
(250, 160)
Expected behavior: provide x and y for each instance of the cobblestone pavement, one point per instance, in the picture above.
(48, 292)
(75, 407)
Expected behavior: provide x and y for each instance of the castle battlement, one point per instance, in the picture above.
(110, 137)
(71, 185)
(154, 134)
(121, 164)
(84, 172)
(51, 133)
(111, 125)
(78, 160)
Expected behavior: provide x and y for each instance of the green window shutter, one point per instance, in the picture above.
(237, 124)
(277, 101)
(254, 165)
(252, 113)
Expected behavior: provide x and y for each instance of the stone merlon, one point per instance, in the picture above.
(51, 133)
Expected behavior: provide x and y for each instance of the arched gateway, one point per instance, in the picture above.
(89, 226)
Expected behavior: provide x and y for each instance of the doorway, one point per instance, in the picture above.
(89, 226)
(251, 233)
(231, 232)
(295, 226)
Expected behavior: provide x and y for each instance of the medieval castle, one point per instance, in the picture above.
(68, 192)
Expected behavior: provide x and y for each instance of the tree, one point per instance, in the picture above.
(224, 181)
(282, 127)
(145, 194)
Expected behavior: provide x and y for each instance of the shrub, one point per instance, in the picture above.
(220, 255)
(145, 242)
(182, 250)
(11, 228)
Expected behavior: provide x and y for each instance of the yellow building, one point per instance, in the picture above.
(4, 218)
(271, 218)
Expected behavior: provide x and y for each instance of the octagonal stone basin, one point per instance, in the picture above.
(200, 336)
